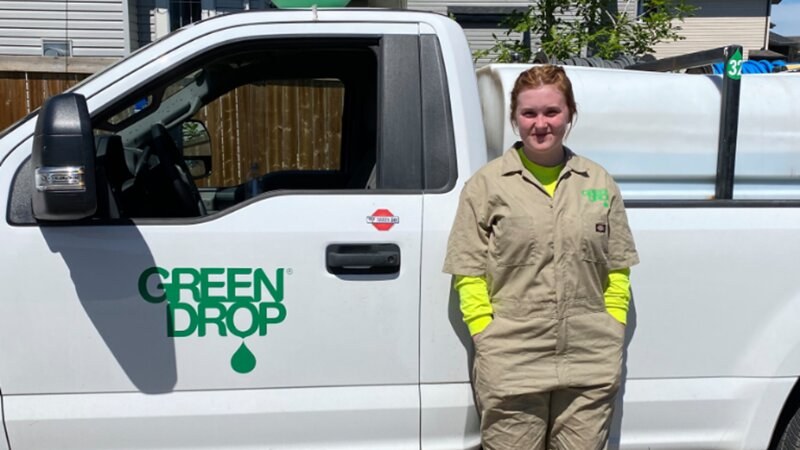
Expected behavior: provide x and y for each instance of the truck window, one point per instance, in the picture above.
(262, 136)
(241, 126)
(260, 118)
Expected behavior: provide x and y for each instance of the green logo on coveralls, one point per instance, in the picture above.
(596, 195)
(217, 300)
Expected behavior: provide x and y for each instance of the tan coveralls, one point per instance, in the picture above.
(547, 368)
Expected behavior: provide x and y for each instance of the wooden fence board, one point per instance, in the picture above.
(12, 85)
(270, 128)
(23, 92)
(266, 128)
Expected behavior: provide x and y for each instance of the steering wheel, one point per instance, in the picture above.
(170, 189)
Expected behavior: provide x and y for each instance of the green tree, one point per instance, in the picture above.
(567, 28)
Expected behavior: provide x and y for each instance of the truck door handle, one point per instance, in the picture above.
(362, 258)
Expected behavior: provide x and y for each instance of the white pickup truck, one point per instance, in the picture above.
(233, 239)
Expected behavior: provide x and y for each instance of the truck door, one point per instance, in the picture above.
(285, 311)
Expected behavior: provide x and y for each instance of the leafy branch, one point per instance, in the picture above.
(568, 28)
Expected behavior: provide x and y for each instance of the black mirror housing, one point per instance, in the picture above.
(63, 160)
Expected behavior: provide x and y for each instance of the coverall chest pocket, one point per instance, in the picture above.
(594, 237)
(515, 241)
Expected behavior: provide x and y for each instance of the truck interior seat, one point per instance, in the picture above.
(161, 185)
(112, 171)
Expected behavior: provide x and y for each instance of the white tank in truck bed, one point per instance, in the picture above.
(658, 133)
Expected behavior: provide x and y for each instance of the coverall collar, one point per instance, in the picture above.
(513, 164)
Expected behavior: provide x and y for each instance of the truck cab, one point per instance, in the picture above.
(221, 245)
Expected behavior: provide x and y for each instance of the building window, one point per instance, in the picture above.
(183, 12)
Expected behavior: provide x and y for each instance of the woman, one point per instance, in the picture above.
(541, 251)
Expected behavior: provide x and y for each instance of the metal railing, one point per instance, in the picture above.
(731, 56)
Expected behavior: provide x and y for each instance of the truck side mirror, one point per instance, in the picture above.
(196, 148)
(63, 160)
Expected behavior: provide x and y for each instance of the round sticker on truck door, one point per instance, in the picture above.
(206, 300)
(383, 219)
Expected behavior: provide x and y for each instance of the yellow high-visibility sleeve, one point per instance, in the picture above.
(475, 305)
(618, 294)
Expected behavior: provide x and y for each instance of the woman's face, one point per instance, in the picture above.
(542, 117)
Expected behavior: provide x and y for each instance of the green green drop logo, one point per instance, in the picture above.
(243, 360)
(596, 195)
(226, 301)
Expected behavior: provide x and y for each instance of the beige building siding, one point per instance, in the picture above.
(133, 25)
(479, 37)
(145, 21)
(153, 15)
(718, 23)
(94, 27)
(441, 6)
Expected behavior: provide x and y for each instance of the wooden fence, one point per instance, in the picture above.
(272, 127)
(258, 127)
(23, 92)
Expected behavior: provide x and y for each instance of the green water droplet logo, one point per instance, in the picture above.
(243, 360)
